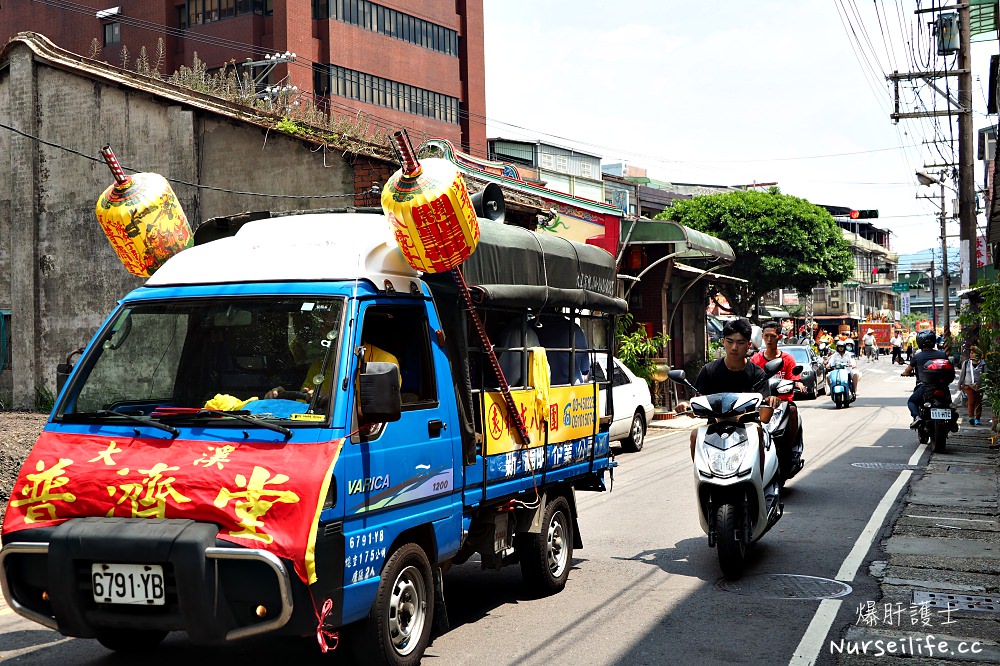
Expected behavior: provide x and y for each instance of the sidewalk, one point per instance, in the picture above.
(940, 576)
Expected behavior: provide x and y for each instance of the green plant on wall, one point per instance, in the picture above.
(636, 348)
(981, 326)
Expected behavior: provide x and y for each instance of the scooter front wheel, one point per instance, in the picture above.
(732, 549)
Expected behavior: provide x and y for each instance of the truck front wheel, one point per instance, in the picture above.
(546, 557)
(398, 627)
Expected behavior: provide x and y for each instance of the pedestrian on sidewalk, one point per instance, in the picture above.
(897, 348)
(970, 381)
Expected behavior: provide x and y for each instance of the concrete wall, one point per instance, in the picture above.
(58, 273)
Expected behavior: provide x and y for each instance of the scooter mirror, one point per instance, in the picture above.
(797, 370)
(676, 375)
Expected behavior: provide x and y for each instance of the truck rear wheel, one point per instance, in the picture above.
(398, 627)
(546, 557)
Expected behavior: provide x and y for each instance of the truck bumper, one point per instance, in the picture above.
(214, 591)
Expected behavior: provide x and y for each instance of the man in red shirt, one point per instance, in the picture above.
(770, 333)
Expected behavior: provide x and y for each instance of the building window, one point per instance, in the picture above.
(343, 82)
(562, 163)
(197, 12)
(390, 22)
(112, 33)
(545, 160)
(586, 169)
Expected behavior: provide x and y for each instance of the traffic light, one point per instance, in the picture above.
(868, 214)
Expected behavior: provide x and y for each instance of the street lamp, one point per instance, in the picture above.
(925, 178)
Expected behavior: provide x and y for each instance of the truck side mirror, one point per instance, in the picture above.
(378, 390)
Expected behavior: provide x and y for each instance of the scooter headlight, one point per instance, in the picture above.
(727, 462)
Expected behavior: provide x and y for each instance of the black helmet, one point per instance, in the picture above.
(926, 339)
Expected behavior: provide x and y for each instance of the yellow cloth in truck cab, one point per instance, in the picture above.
(538, 377)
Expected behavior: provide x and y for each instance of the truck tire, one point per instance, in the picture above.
(546, 557)
(729, 541)
(130, 641)
(636, 434)
(398, 628)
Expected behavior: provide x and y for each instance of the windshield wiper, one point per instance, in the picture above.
(144, 420)
(287, 432)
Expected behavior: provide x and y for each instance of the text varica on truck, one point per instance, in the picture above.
(288, 429)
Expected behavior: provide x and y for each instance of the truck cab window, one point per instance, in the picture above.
(402, 333)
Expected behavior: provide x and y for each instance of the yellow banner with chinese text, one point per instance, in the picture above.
(572, 413)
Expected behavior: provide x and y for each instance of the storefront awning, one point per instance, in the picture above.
(777, 314)
(688, 243)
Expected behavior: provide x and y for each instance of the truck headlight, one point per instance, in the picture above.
(726, 463)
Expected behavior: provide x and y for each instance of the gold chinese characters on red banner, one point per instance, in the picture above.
(265, 496)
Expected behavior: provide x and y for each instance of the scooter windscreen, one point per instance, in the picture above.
(725, 405)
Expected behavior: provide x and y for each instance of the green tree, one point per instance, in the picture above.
(780, 241)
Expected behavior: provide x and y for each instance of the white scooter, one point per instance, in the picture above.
(736, 471)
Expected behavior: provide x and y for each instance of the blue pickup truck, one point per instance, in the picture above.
(287, 430)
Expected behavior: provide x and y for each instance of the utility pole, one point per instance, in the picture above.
(933, 297)
(946, 315)
(966, 180)
(961, 107)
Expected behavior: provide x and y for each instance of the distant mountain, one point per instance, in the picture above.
(921, 260)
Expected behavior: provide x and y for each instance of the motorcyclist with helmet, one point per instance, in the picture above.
(926, 352)
(841, 355)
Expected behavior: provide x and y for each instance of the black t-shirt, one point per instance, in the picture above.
(715, 377)
(922, 357)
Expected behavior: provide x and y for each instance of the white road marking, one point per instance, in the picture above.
(812, 640)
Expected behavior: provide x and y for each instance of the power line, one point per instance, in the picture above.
(199, 186)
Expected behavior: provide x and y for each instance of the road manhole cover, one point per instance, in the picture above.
(786, 586)
(893, 467)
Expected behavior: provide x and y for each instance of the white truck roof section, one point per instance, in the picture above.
(311, 247)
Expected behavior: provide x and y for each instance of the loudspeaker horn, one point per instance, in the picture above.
(488, 203)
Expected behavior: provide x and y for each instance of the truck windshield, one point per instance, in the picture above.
(269, 357)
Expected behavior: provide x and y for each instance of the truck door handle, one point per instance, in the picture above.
(435, 427)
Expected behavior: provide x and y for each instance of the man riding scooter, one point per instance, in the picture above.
(847, 358)
(733, 372)
(927, 352)
(770, 333)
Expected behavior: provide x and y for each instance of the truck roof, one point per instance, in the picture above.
(306, 247)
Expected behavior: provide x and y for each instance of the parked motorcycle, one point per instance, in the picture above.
(840, 391)
(736, 471)
(937, 416)
(789, 445)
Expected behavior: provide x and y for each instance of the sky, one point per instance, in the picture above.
(735, 92)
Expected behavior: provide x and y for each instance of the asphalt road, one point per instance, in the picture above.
(646, 588)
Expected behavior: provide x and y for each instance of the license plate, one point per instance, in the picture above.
(941, 414)
(138, 584)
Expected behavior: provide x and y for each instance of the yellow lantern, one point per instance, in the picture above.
(142, 219)
(430, 211)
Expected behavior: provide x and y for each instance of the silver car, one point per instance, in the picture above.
(813, 369)
(633, 405)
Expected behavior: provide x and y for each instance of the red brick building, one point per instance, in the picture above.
(416, 64)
